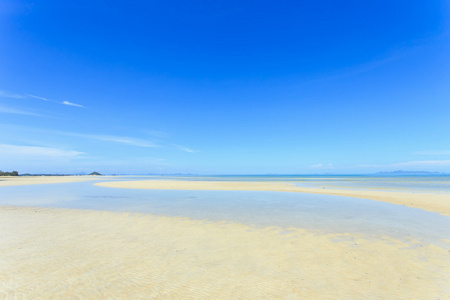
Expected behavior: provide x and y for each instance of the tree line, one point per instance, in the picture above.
(13, 173)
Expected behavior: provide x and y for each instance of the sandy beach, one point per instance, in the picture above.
(50, 253)
(56, 253)
(434, 202)
(27, 180)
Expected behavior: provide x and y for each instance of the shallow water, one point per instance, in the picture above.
(418, 183)
(440, 184)
(406, 183)
(324, 213)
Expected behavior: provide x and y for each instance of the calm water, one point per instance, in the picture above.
(314, 212)
(417, 183)
(407, 183)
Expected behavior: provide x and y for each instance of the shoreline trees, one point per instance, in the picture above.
(13, 173)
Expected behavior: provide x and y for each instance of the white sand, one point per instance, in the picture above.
(27, 180)
(81, 254)
(61, 254)
(434, 202)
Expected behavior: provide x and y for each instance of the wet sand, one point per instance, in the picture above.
(59, 254)
(68, 253)
(434, 202)
(27, 180)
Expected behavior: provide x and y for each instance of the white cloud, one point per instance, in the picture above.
(125, 140)
(443, 152)
(133, 161)
(72, 104)
(423, 163)
(35, 152)
(411, 164)
(322, 166)
(59, 102)
(107, 138)
(155, 133)
(41, 98)
(10, 95)
(9, 110)
(186, 149)
(117, 139)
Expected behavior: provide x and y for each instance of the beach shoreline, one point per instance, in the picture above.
(430, 201)
(433, 202)
(47, 179)
(58, 253)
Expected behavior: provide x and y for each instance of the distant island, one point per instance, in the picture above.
(401, 172)
(95, 174)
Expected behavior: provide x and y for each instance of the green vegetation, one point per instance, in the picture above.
(13, 173)
(95, 173)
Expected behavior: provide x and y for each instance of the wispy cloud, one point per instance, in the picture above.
(424, 163)
(54, 101)
(9, 110)
(10, 95)
(318, 166)
(126, 140)
(37, 97)
(7, 150)
(141, 161)
(443, 152)
(72, 104)
(412, 164)
(155, 133)
(116, 139)
(186, 149)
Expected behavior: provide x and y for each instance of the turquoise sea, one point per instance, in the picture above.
(321, 213)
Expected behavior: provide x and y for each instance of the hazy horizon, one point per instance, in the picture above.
(397, 173)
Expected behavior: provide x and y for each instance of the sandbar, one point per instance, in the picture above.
(433, 202)
(51, 253)
(27, 180)
(59, 254)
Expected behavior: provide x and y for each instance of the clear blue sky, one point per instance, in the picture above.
(224, 87)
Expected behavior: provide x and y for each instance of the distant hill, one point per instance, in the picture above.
(401, 172)
(95, 173)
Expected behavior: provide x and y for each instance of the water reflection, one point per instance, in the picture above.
(310, 211)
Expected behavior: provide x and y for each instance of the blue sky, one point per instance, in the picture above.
(224, 87)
